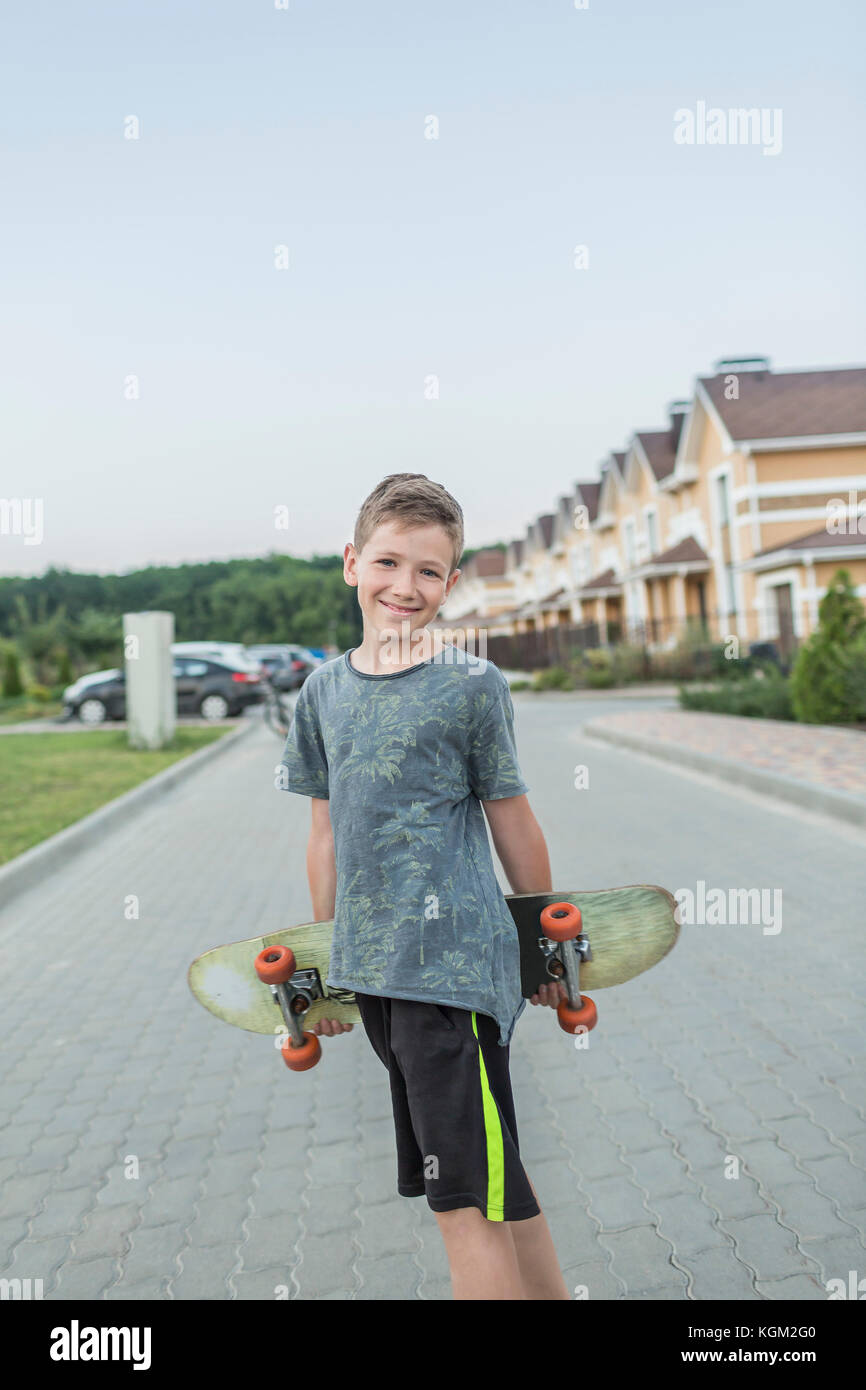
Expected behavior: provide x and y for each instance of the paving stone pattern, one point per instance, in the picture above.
(149, 1151)
(824, 756)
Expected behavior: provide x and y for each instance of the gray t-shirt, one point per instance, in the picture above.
(405, 760)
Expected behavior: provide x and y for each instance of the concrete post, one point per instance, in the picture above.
(601, 611)
(151, 703)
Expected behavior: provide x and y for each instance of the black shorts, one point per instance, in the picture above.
(453, 1109)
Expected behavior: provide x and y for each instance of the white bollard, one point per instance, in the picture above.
(151, 702)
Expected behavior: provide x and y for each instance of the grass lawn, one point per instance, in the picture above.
(49, 781)
(22, 707)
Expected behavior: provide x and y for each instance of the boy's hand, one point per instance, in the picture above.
(329, 1027)
(550, 994)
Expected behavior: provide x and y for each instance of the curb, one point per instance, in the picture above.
(636, 692)
(35, 864)
(838, 804)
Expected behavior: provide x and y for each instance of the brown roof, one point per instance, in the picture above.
(589, 497)
(558, 599)
(660, 447)
(683, 553)
(545, 524)
(817, 540)
(606, 580)
(609, 467)
(488, 562)
(791, 405)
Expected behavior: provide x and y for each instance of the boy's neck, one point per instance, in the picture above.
(382, 654)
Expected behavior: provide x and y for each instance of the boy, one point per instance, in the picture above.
(399, 743)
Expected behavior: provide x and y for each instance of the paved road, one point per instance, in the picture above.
(150, 1152)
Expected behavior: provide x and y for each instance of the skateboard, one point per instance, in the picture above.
(275, 982)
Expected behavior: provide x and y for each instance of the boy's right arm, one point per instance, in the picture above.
(321, 863)
(322, 874)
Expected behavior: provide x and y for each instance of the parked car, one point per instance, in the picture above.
(218, 650)
(204, 686)
(287, 667)
(765, 654)
(93, 678)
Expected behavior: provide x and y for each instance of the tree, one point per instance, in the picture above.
(824, 683)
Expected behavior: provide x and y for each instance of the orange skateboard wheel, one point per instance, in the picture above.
(303, 1057)
(275, 965)
(561, 921)
(570, 1020)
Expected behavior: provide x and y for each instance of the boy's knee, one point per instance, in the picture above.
(460, 1217)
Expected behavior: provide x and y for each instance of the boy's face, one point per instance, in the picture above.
(402, 576)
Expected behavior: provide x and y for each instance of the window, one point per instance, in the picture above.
(628, 535)
(722, 496)
(652, 533)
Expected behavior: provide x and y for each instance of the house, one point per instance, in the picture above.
(729, 520)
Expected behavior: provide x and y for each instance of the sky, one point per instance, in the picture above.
(218, 336)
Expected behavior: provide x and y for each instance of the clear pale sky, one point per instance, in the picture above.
(408, 257)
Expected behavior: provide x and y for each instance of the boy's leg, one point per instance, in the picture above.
(537, 1259)
(481, 1256)
(501, 1259)
(486, 1260)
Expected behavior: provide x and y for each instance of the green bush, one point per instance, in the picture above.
(599, 679)
(64, 670)
(826, 683)
(765, 694)
(687, 661)
(552, 678)
(520, 685)
(598, 671)
(12, 683)
(855, 677)
(41, 693)
(629, 664)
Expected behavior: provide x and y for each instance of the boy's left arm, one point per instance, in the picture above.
(522, 852)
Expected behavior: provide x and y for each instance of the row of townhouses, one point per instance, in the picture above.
(731, 520)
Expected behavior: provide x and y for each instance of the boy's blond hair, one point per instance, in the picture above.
(410, 499)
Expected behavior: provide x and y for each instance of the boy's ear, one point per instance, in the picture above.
(350, 560)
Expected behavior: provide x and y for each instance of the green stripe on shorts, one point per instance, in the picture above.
(495, 1154)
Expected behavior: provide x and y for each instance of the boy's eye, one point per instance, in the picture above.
(391, 562)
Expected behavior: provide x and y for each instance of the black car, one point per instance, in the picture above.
(286, 667)
(209, 688)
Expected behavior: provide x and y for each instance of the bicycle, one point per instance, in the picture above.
(278, 714)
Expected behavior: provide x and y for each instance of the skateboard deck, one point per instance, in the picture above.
(613, 935)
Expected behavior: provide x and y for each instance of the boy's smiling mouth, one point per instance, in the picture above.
(394, 608)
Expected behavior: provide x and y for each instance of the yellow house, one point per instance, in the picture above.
(781, 463)
(730, 521)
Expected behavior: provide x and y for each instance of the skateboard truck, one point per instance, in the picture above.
(565, 946)
(294, 990)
